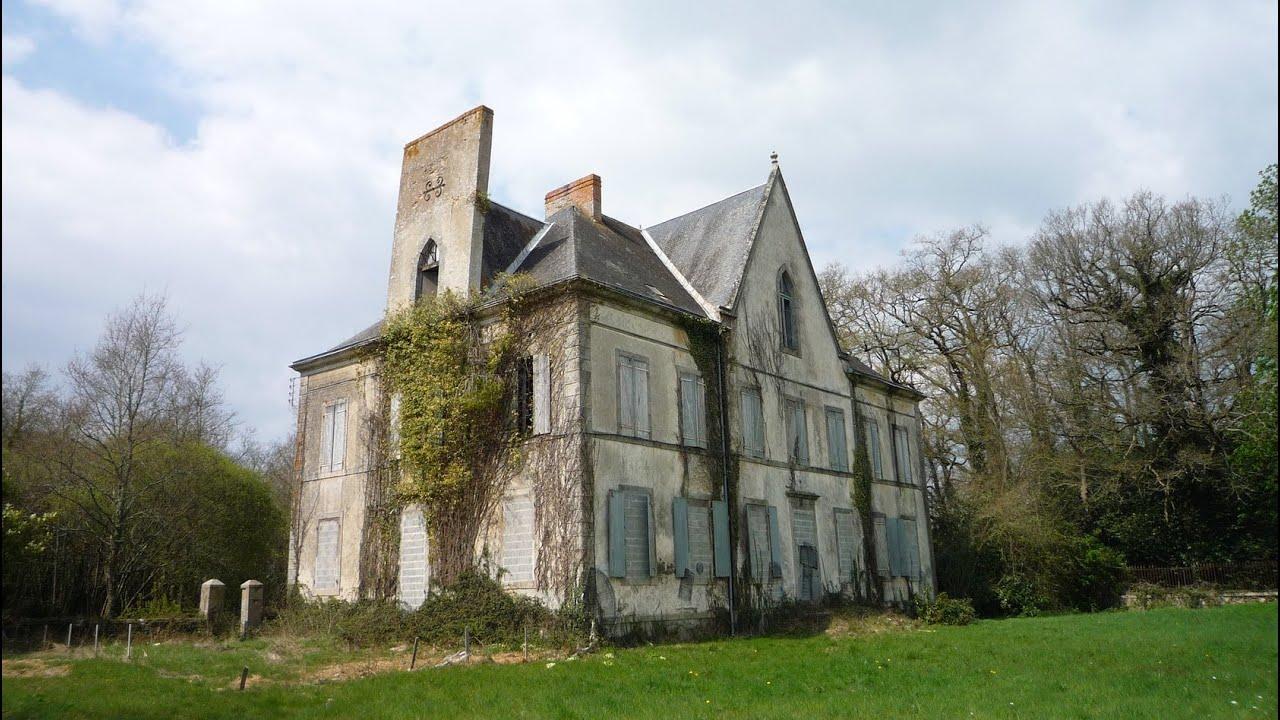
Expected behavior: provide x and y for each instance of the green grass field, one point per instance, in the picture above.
(1167, 663)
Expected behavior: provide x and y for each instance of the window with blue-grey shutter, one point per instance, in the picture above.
(692, 535)
(898, 564)
(881, 539)
(333, 443)
(911, 548)
(541, 394)
(837, 444)
(752, 423)
(874, 450)
(693, 410)
(902, 454)
(680, 534)
(633, 396)
(631, 550)
(797, 432)
(804, 535)
(775, 544)
(759, 553)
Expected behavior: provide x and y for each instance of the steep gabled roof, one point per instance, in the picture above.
(369, 334)
(710, 246)
(506, 232)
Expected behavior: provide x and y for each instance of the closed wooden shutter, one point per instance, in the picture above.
(720, 534)
(880, 530)
(693, 414)
(617, 538)
(758, 542)
(874, 450)
(752, 424)
(897, 554)
(638, 524)
(804, 534)
(339, 435)
(911, 546)
(680, 534)
(775, 544)
(326, 439)
(837, 447)
(626, 396)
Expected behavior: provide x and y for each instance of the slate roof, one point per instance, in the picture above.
(710, 246)
(506, 232)
(609, 253)
(370, 333)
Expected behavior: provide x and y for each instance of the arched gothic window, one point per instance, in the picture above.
(428, 271)
(787, 312)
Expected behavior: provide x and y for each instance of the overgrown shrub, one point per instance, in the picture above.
(1021, 595)
(1096, 577)
(945, 610)
(476, 603)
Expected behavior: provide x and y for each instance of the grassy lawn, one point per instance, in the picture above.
(1165, 663)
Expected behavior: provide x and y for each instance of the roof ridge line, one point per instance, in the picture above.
(679, 276)
(528, 248)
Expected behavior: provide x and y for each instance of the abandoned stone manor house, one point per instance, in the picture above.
(725, 451)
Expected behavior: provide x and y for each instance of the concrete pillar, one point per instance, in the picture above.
(211, 594)
(250, 605)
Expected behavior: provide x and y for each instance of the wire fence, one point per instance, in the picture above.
(1256, 575)
(72, 633)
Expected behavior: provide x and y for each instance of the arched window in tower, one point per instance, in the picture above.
(428, 271)
(787, 312)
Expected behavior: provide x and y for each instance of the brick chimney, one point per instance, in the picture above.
(583, 193)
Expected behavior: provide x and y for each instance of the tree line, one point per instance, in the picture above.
(1103, 394)
(121, 491)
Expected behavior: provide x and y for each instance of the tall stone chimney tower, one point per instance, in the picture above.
(443, 174)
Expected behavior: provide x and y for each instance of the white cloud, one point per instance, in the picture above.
(16, 48)
(271, 229)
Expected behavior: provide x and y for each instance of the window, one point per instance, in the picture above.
(881, 539)
(428, 278)
(326, 568)
(524, 394)
(533, 395)
(693, 410)
(873, 450)
(631, 552)
(633, 395)
(333, 437)
(848, 543)
(904, 547)
(413, 557)
(837, 443)
(701, 538)
(763, 546)
(787, 312)
(752, 423)
(517, 539)
(902, 453)
(797, 432)
(804, 533)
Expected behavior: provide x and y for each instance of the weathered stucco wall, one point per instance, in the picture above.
(333, 493)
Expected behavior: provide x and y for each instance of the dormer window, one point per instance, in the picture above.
(787, 312)
(428, 271)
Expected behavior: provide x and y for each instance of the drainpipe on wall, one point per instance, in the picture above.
(724, 471)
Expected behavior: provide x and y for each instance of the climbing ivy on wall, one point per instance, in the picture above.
(452, 369)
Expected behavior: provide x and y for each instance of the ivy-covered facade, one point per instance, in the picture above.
(656, 424)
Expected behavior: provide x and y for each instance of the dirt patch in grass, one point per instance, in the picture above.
(33, 668)
(855, 624)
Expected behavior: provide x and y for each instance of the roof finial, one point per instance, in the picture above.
(773, 158)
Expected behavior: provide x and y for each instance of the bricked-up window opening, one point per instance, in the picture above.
(428, 271)
(524, 395)
(326, 568)
(787, 312)
(517, 539)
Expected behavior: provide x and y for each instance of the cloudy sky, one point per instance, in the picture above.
(242, 157)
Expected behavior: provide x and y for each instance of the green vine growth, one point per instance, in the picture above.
(450, 362)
